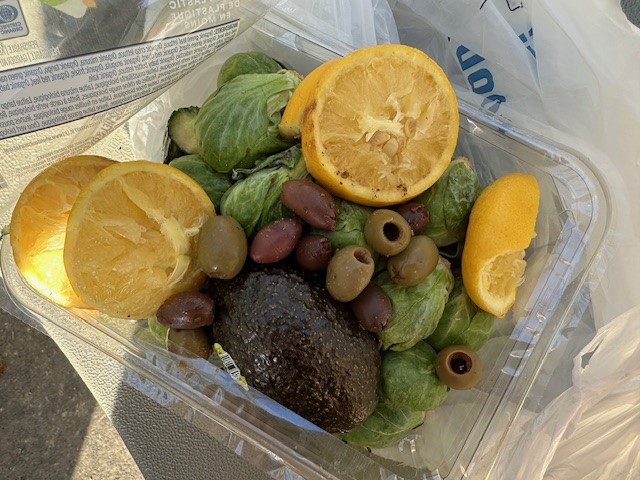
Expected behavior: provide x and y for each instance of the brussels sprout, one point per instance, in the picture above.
(246, 62)
(416, 309)
(385, 426)
(238, 123)
(254, 201)
(449, 202)
(212, 182)
(408, 379)
(181, 130)
(462, 322)
(350, 220)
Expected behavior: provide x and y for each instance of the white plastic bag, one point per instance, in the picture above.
(570, 71)
(592, 430)
(567, 70)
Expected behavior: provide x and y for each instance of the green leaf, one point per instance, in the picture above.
(386, 426)
(238, 123)
(350, 220)
(246, 62)
(416, 309)
(449, 202)
(158, 330)
(212, 182)
(255, 200)
(408, 379)
(462, 322)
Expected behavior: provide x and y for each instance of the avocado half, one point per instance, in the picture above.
(296, 344)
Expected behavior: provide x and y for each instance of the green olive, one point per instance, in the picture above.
(415, 262)
(222, 247)
(349, 272)
(387, 232)
(459, 367)
(190, 343)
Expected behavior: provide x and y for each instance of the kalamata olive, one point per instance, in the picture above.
(276, 240)
(349, 271)
(313, 252)
(222, 247)
(416, 215)
(190, 343)
(186, 310)
(310, 202)
(415, 262)
(459, 367)
(387, 232)
(372, 308)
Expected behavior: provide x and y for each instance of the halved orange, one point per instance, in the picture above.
(132, 238)
(291, 123)
(501, 225)
(39, 222)
(381, 126)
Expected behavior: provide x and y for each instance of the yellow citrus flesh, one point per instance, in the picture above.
(132, 238)
(39, 223)
(291, 122)
(501, 226)
(381, 125)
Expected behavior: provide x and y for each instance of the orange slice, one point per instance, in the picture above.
(132, 238)
(381, 125)
(501, 225)
(39, 223)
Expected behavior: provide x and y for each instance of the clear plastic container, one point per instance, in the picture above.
(460, 438)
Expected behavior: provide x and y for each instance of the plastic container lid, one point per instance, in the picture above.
(459, 437)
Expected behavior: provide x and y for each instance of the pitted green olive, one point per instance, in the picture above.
(387, 232)
(190, 343)
(222, 247)
(415, 262)
(459, 367)
(349, 272)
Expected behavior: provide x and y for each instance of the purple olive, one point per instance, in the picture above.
(372, 308)
(416, 215)
(310, 202)
(313, 252)
(186, 310)
(275, 241)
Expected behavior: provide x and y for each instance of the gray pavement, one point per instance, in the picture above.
(50, 425)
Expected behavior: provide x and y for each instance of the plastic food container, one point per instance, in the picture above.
(458, 439)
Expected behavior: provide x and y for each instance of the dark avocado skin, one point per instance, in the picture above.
(298, 345)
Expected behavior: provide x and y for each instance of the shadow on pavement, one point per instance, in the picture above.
(50, 424)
